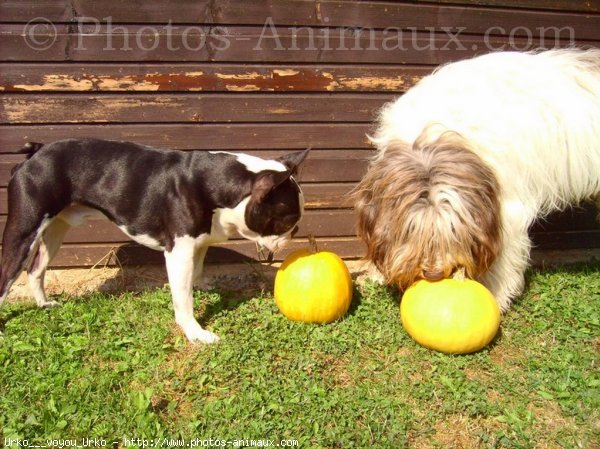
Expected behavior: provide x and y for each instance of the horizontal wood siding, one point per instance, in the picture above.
(263, 77)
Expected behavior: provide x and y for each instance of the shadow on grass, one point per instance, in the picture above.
(228, 301)
(13, 313)
(357, 299)
(235, 290)
(15, 310)
(578, 268)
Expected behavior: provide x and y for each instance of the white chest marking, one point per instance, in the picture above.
(226, 221)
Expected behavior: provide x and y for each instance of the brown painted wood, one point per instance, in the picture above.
(235, 251)
(149, 77)
(322, 195)
(197, 108)
(567, 239)
(576, 218)
(201, 136)
(26, 10)
(283, 45)
(472, 14)
(560, 5)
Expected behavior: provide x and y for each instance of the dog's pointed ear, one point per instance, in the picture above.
(293, 160)
(265, 182)
(268, 180)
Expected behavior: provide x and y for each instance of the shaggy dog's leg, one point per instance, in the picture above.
(505, 279)
(370, 273)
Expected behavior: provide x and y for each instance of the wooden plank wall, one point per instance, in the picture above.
(264, 77)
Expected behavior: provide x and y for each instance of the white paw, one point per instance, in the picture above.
(206, 337)
(195, 333)
(368, 272)
(203, 336)
(371, 274)
(49, 304)
(364, 278)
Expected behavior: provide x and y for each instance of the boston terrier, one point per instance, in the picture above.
(172, 201)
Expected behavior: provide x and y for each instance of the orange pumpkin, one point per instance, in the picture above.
(451, 315)
(313, 287)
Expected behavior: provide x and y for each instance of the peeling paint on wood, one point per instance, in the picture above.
(138, 108)
(284, 72)
(279, 111)
(213, 78)
(244, 88)
(373, 83)
(90, 82)
(239, 76)
(56, 82)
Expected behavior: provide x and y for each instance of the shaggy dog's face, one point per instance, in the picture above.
(426, 210)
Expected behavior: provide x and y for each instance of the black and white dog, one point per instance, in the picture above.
(172, 201)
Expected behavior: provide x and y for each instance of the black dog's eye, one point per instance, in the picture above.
(285, 224)
(281, 228)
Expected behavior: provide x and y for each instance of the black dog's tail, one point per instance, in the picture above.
(30, 148)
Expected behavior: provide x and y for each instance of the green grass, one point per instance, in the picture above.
(117, 367)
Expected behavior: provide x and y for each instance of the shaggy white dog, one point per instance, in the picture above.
(471, 156)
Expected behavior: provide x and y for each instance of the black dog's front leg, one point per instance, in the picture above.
(180, 270)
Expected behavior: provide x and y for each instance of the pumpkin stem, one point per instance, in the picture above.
(312, 242)
(459, 275)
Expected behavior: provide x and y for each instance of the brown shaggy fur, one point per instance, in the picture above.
(411, 197)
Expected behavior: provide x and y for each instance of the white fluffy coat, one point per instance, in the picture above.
(532, 118)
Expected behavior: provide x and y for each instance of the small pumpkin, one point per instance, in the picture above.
(313, 287)
(451, 315)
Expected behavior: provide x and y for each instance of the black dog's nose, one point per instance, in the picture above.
(433, 275)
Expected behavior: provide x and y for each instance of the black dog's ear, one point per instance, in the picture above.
(268, 180)
(265, 182)
(293, 160)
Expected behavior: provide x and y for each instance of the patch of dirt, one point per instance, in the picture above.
(240, 277)
(456, 432)
(336, 372)
(551, 419)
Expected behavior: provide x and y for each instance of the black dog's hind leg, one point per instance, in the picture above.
(46, 248)
(19, 241)
(27, 219)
